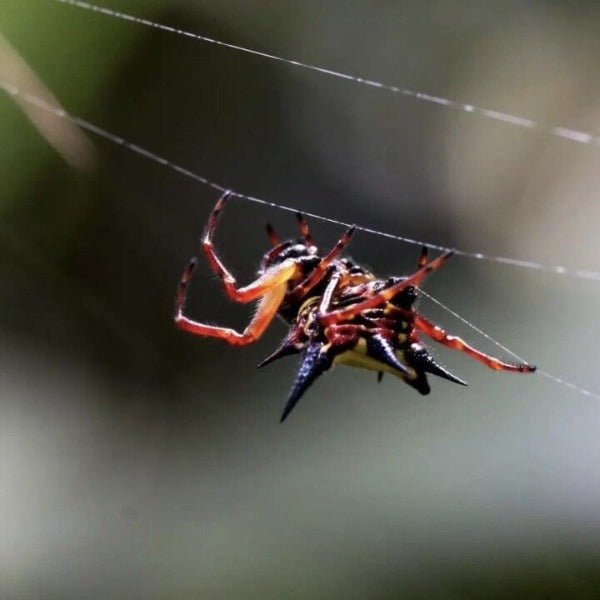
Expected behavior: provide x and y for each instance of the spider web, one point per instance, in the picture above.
(557, 131)
(580, 137)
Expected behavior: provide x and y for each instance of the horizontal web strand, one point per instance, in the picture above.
(59, 112)
(573, 135)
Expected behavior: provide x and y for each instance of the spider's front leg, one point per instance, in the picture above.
(265, 312)
(270, 287)
(257, 288)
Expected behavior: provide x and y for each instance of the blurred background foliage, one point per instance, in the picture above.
(138, 462)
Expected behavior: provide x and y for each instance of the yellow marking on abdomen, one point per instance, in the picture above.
(357, 357)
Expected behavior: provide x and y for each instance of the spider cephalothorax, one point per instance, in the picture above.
(339, 312)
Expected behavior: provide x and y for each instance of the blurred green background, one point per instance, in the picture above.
(140, 462)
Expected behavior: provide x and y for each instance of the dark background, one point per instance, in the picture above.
(139, 462)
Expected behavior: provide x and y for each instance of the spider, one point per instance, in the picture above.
(338, 312)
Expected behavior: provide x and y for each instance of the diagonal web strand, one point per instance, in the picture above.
(580, 137)
(559, 380)
(61, 113)
(86, 125)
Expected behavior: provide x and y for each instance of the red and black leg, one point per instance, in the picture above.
(256, 289)
(439, 335)
(386, 294)
(304, 229)
(272, 235)
(265, 312)
(321, 269)
(271, 288)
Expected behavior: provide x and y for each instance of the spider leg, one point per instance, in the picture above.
(321, 269)
(304, 229)
(273, 237)
(328, 293)
(423, 257)
(266, 311)
(439, 335)
(386, 294)
(256, 289)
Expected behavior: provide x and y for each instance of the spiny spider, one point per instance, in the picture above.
(339, 313)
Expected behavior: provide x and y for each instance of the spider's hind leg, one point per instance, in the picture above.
(440, 336)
